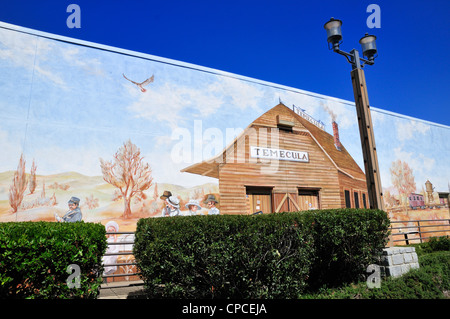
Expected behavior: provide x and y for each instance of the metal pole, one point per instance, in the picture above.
(367, 138)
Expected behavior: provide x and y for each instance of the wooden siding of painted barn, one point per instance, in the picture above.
(239, 170)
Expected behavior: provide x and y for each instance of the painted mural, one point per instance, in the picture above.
(104, 135)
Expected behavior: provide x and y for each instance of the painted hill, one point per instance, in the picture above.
(99, 200)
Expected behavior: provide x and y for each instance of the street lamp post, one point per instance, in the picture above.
(334, 37)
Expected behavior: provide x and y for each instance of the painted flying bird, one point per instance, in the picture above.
(141, 85)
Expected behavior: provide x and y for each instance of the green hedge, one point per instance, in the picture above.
(434, 244)
(34, 257)
(260, 256)
(430, 281)
(346, 241)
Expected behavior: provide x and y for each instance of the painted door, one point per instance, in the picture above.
(260, 202)
(285, 202)
(308, 200)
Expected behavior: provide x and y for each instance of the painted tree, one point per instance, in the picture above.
(32, 183)
(18, 186)
(402, 178)
(389, 200)
(155, 193)
(128, 173)
(91, 202)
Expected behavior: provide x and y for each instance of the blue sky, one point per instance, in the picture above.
(277, 41)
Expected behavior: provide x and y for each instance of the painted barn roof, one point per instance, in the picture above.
(342, 160)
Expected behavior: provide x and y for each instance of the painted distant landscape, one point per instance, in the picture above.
(99, 200)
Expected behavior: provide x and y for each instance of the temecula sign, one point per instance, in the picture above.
(278, 154)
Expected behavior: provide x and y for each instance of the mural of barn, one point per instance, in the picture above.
(284, 162)
(114, 131)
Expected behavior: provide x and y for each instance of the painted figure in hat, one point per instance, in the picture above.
(74, 213)
(111, 227)
(211, 201)
(172, 207)
(193, 206)
(165, 196)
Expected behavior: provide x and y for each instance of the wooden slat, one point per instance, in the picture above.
(328, 169)
(294, 202)
(281, 203)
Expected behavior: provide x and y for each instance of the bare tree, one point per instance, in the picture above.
(389, 199)
(155, 193)
(402, 178)
(128, 173)
(32, 183)
(18, 186)
(92, 202)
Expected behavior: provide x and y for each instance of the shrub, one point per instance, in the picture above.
(437, 244)
(433, 245)
(34, 257)
(346, 241)
(223, 256)
(430, 281)
(263, 256)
